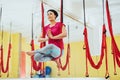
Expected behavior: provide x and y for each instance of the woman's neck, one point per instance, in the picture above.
(52, 23)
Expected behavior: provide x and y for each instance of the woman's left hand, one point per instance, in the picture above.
(50, 34)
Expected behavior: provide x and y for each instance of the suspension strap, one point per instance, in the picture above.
(43, 35)
(114, 60)
(1, 39)
(105, 44)
(112, 36)
(61, 20)
(68, 50)
(85, 30)
(84, 13)
(34, 64)
(61, 12)
(9, 47)
(32, 48)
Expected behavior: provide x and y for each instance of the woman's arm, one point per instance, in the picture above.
(42, 39)
(60, 36)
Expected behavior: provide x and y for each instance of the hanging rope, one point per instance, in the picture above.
(84, 46)
(105, 44)
(68, 51)
(32, 47)
(1, 40)
(61, 12)
(0, 15)
(115, 50)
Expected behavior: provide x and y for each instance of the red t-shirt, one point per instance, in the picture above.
(55, 30)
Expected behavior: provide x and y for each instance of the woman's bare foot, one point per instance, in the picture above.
(30, 53)
(58, 64)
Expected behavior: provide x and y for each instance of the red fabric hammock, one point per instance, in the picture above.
(103, 52)
(115, 50)
(4, 70)
(2, 67)
(103, 47)
(34, 64)
(63, 67)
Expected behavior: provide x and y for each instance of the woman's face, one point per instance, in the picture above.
(51, 16)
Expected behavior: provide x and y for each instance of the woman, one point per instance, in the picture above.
(55, 32)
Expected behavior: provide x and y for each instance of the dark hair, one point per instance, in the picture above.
(55, 12)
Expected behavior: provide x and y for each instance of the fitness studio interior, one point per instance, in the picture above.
(59, 40)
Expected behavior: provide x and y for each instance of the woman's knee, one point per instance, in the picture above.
(37, 57)
(50, 45)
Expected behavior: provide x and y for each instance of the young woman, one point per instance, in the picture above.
(55, 32)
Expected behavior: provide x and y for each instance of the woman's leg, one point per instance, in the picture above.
(46, 53)
(58, 63)
(55, 51)
(30, 53)
(43, 54)
(45, 50)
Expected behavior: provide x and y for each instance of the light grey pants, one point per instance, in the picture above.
(47, 53)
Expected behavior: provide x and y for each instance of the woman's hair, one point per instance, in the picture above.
(55, 12)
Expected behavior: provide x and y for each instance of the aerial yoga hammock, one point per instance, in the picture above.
(2, 67)
(34, 65)
(115, 50)
(51, 51)
(103, 47)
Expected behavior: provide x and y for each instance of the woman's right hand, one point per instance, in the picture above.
(43, 39)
